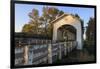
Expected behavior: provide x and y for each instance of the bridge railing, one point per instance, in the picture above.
(19, 55)
(61, 49)
(45, 53)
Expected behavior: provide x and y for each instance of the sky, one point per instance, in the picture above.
(22, 11)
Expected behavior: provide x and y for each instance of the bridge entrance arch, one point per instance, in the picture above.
(74, 24)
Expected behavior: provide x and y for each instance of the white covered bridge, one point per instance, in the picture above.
(68, 26)
(67, 30)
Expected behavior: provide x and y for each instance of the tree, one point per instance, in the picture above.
(90, 36)
(28, 28)
(50, 30)
(34, 14)
(90, 31)
(33, 24)
(76, 15)
(31, 27)
(49, 14)
(41, 24)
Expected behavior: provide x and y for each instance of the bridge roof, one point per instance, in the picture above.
(62, 16)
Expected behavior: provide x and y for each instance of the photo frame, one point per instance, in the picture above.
(60, 43)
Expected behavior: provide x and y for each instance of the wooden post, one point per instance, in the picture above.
(68, 47)
(25, 55)
(71, 45)
(65, 52)
(59, 51)
(49, 54)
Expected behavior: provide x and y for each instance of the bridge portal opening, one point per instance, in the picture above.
(66, 33)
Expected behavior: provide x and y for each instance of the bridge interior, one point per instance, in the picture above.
(66, 33)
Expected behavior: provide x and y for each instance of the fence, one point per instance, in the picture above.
(45, 53)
